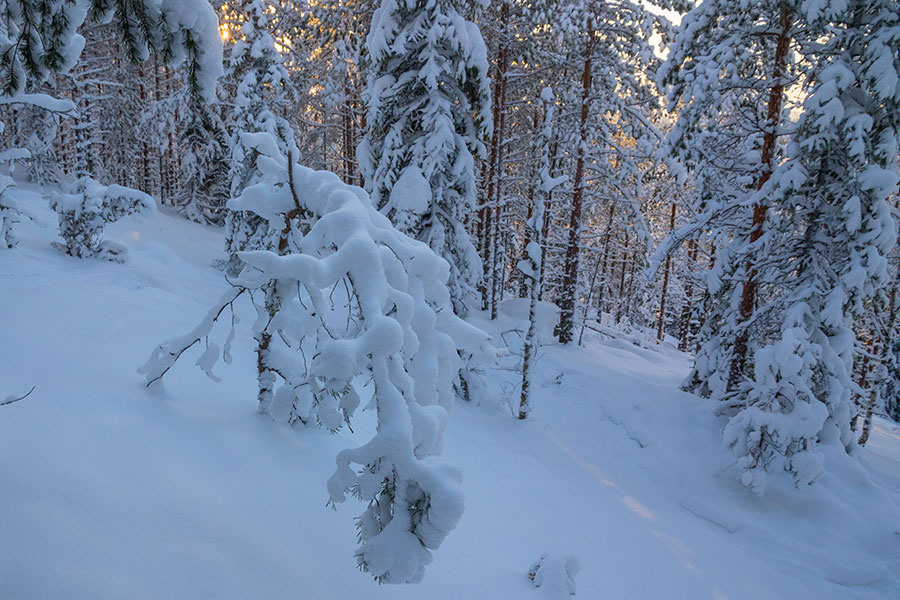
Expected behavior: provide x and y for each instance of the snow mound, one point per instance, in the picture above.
(554, 575)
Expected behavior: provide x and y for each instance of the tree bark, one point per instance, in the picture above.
(620, 291)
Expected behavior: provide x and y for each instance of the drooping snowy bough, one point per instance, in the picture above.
(38, 38)
(347, 295)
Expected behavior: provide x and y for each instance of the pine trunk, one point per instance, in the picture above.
(491, 209)
(665, 285)
(566, 325)
(767, 158)
(605, 290)
(620, 291)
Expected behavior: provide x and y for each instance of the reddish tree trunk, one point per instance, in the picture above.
(490, 212)
(620, 307)
(770, 138)
(566, 324)
(665, 285)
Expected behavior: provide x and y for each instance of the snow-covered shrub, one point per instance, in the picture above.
(555, 575)
(782, 420)
(10, 211)
(347, 295)
(86, 207)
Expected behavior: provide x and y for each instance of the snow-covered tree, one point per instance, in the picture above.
(820, 218)
(205, 152)
(608, 45)
(726, 75)
(830, 238)
(36, 131)
(337, 72)
(11, 211)
(890, 391)
(345, 294)
(262, 86)
(532, 267)
(428, 112)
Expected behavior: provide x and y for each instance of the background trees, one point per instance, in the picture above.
(759, 159)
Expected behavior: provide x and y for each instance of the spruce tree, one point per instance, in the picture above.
(428, 113)
(205, 151)
(262, 86)
(39, 38)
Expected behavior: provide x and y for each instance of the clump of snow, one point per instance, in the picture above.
(546, 316)
(554, 575)
(410, 197)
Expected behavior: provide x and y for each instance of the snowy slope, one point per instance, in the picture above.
(112, 491)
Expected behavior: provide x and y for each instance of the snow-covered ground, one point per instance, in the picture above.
(113, 491)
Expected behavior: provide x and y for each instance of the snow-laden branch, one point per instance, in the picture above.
(351, 296)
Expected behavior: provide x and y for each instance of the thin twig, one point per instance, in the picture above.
(12, 399)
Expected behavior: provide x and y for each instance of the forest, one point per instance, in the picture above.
(388, 212)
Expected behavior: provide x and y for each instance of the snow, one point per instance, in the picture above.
(555, 576)
(48, 103)
(112, 490)
(411, 193)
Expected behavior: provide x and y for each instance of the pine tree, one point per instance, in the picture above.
(825, 230)
(338, 71)
(835, 230)
(726, 75)
(428, 113)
